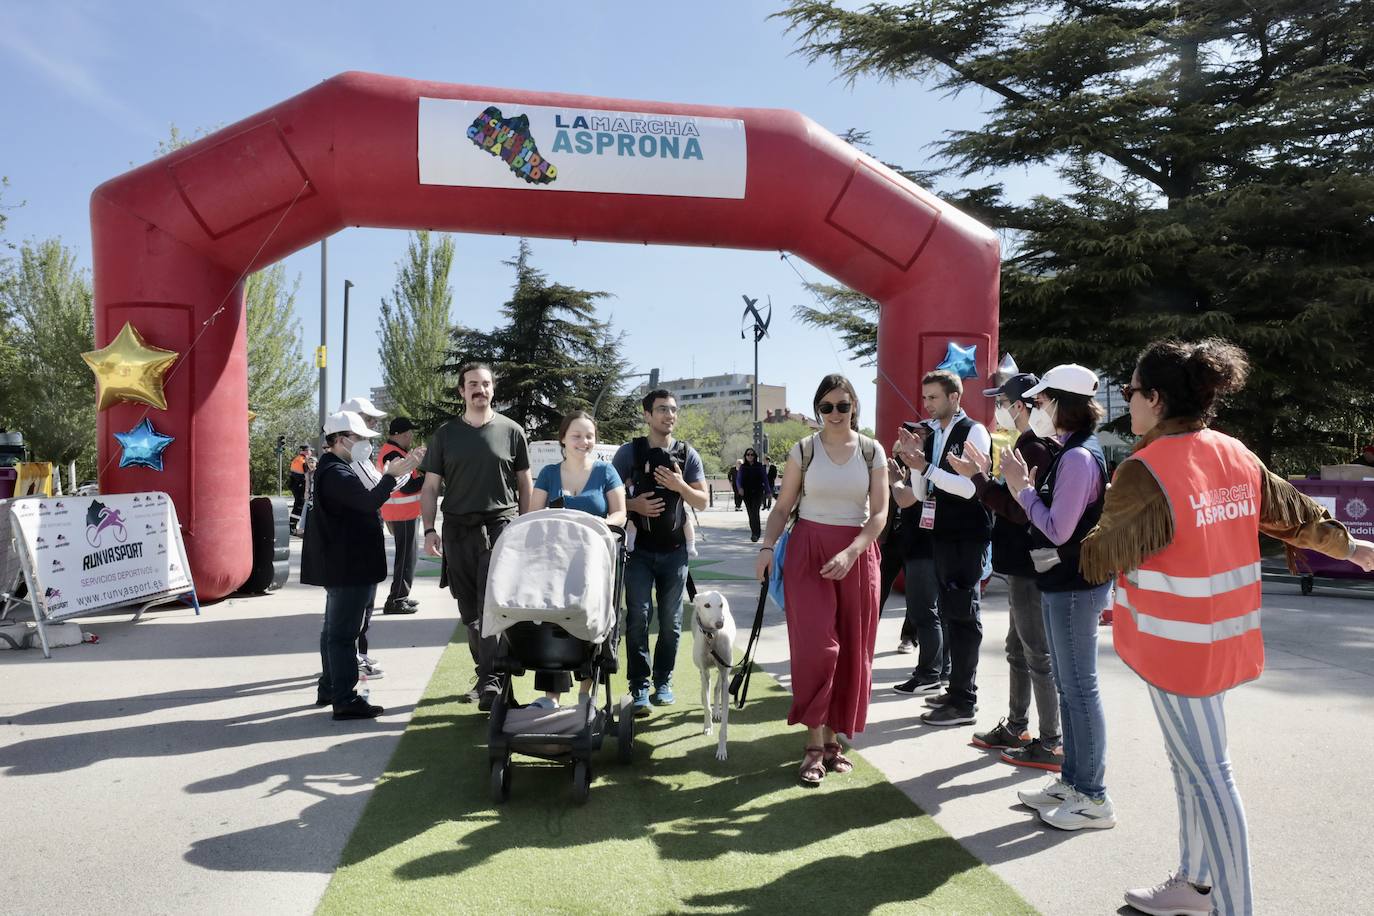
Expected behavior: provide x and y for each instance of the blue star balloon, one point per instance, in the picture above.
(962, 361)
(143, 446)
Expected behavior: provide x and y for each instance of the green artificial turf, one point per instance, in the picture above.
(675, 832)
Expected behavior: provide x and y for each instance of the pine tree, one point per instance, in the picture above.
(415, 326)
(1217, 157)
(552, 355)
(281, 385)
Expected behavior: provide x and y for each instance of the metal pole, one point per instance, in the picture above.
(279, 460)
(343, 375)
(324, 334)
(758, 443)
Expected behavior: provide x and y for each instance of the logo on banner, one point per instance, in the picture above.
(58, 567)
(510, 140)
(53, 600)
(647, 138)
(42, 544)
(102, 521)
(1355, 508)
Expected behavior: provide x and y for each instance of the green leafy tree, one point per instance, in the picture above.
(1218, 165)
(552, 355)
(415, 325)
(782, 436)
(281, 384)
(47, 390)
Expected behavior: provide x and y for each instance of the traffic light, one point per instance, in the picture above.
(281, 444)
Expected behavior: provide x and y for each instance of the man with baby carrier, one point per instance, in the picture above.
(481, 462)
(665, 476)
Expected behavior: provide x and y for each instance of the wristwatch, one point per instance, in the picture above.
(429, 531)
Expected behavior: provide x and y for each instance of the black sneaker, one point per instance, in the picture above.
(938, 700)
(357, 708)
(1001, 738)
(321, 698)
(411, 601)
(488, 697)
(1036, 755)
(918, 685)
(398, 607)
(949, 715)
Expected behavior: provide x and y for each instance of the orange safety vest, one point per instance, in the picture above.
(399, 507)
(298, 464)
(1188, 620)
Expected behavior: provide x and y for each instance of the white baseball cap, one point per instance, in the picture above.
(346, 421)
(362, 406)
(1069, 377)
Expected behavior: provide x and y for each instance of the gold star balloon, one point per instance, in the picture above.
(127, 369)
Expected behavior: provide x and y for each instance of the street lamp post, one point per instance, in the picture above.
(343, 373)
(760, 331)
(324, 334)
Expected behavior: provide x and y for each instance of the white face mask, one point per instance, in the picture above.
(1004, 419)
(1042, 421)
(361, 451)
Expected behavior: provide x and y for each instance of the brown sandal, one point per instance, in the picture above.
(813, 766)
(835, 761)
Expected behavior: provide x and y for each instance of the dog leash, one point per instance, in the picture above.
(739, 684)
(710, 638)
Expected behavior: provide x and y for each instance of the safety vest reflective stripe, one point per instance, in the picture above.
(1195, 586)
(402, 500)
(1186, 631)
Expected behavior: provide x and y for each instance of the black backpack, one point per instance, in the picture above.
(664, 530)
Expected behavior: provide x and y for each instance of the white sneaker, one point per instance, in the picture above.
(372, 671)
(1051, 795)
(1175, 897)
(1079, 812)
(368, 660)
(906, 647)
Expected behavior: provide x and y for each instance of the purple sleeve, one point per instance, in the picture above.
(1078, 484)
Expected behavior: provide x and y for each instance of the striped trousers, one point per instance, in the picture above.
(1214, 847)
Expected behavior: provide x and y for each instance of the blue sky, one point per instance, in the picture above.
(91, 88)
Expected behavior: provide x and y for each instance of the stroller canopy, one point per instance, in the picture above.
(555, 566)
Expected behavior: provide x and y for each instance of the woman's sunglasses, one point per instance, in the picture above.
(827, 408)
(1128, 392)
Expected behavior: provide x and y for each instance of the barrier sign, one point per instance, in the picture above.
(548, 451)
(85, 554)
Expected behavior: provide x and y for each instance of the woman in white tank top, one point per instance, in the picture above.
(830, 575)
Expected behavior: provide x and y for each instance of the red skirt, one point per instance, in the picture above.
(832, 628)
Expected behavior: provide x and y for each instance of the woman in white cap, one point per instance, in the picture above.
(1063, 507)
(345, 553)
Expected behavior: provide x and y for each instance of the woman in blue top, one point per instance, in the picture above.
(587, 485)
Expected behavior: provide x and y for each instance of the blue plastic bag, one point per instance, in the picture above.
(775, 578)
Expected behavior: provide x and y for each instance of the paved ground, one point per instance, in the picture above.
(177, 766)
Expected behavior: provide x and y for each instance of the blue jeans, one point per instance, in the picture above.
(648, 572)
(344, 606)
(1071, 627)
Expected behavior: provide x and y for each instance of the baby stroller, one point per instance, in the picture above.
(553, 591)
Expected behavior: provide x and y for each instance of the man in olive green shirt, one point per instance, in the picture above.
(481, 460)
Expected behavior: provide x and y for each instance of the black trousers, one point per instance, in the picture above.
(958, 576)
(890, 561)
(467, 557)
(752, 502)
(296, 483)
(403, 570)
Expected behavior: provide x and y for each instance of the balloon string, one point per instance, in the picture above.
(825, 307)
(205, 325)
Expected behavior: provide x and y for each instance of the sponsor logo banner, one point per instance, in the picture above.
(486, 144)
(102, 551)
(548, 451)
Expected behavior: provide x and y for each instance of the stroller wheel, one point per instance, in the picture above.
(500, 780)
(625, 731)
(582, 782)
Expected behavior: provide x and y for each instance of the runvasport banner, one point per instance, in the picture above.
(86, 554)
(488, 144)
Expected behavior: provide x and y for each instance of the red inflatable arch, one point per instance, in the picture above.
(172, 239)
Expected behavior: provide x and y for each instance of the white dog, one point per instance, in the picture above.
(713, 649)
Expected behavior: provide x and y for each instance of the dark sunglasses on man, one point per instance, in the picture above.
(827, 408)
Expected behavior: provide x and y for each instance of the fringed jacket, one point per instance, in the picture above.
(1136, 521)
